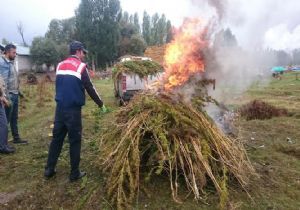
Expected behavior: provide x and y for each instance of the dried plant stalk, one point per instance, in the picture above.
(155, 134)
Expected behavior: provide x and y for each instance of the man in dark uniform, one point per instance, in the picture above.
(71, 82)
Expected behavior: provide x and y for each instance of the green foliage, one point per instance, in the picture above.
(5, 41)
(157, 30)
(131, 42)
(141, 68)
(107, 32)
(135, 45)
(127, 29)
(61, 31)
(62, 50)
(146, 27)
(154, 30)
(136, 22)
(97, 26)
(44, 51)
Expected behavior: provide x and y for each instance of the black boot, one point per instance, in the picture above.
(78, 176)
(49, 172)
(11, 147)
(19, 141)
(7, 150)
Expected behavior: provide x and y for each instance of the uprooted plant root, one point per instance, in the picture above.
(260, 110)
(156, 135)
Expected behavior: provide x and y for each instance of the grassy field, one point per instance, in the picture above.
(275, 158)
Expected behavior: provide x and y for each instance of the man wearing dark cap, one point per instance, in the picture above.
(10, 76)
(71, 82)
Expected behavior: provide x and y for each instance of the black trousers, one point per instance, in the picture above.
(67, 121)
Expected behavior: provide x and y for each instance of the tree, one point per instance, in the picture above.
(229, 38)
(136, 22)
(296, 56)
(125, 17)
(169, 32)
(55, 31)
(135, 45)
(146, 28)
(127, 30)
(97, 24)
(20, 29)
(283, 58)
(5, 41)
(69, 29)
(62, 31)
(225, 38)
(131, 41)
(156, 30)
(161, 30)
(154, 40)
(43, 51)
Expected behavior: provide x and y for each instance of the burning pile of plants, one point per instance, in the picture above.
(156, 53)
(159, 133)
(139, 67)
(260, 110)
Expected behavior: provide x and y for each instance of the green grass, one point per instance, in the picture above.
(275, 159)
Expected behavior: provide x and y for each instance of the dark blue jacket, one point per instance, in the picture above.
(72, 79)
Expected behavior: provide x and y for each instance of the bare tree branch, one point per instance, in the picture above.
(20, 28)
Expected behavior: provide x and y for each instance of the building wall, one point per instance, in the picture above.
(24, 63)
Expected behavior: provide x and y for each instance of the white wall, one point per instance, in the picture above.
(24, 63)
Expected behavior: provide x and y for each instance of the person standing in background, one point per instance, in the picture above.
(10, 76)
(4, 147)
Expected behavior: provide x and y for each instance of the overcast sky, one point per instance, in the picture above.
(256, 23)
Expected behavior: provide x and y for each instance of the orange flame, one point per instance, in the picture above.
(184, 55)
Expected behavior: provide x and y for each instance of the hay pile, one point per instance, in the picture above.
(260, 110)
(141, 68)
(156, 135)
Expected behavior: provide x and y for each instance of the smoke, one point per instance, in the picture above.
(281, 38)
(256, 27)
(218, 5)
(235, 68)
(251, 20)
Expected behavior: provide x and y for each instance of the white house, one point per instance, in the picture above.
(23, 61)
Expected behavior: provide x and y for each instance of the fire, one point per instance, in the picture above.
(184, 55)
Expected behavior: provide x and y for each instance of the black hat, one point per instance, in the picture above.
(76, 45)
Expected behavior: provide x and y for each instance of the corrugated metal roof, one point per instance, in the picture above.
(21, 50)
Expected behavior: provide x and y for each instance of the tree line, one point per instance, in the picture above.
(106, 30)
